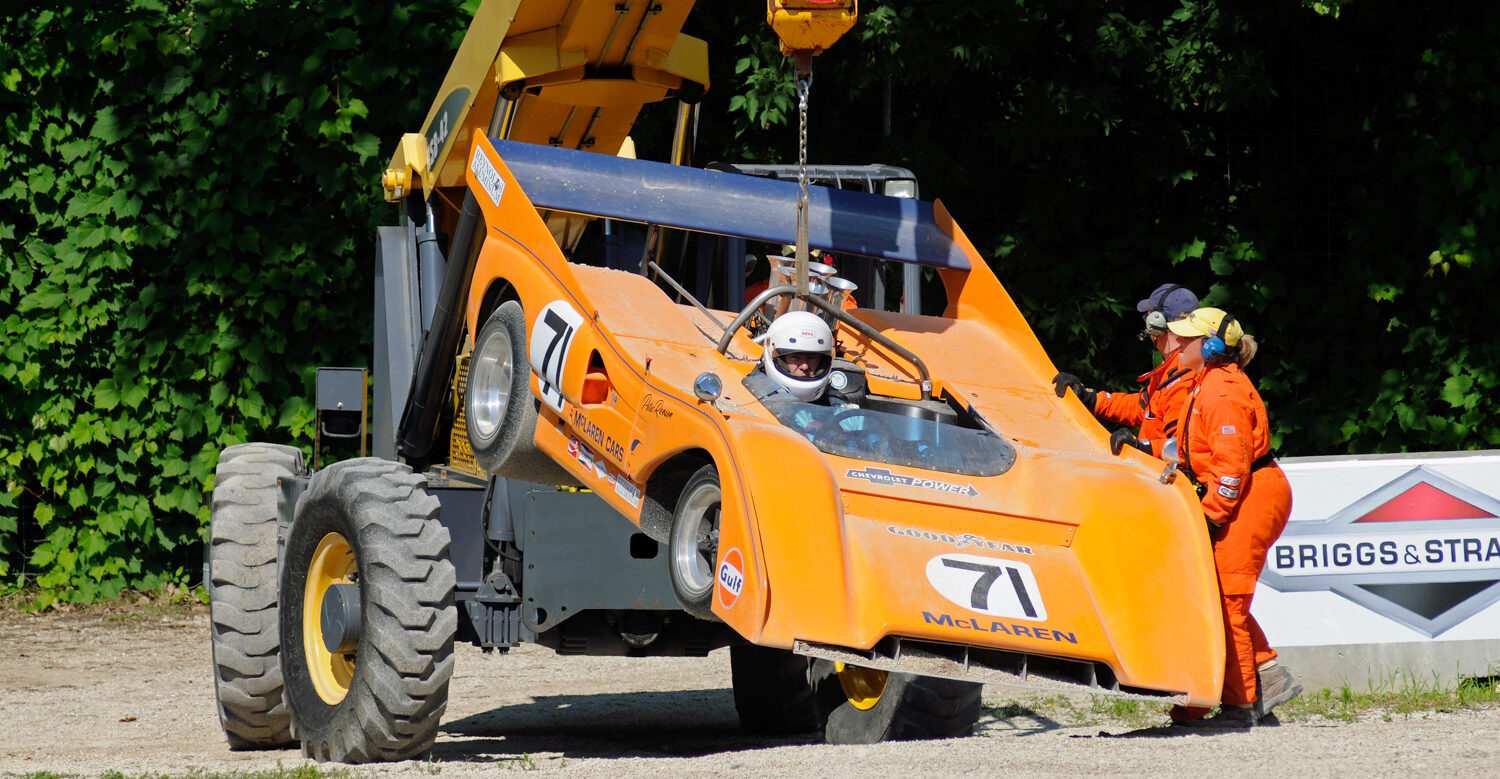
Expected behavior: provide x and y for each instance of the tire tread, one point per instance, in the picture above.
(242, 582)
(400, 687)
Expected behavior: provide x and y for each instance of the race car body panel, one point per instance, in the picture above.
(990, 515)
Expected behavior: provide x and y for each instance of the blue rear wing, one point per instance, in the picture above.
(723, 203)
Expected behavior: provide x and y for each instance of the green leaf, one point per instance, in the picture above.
(1456, 391)
(107, 127)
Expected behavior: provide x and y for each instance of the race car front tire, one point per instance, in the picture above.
(865, 706)
(693, 544)
(500, 414)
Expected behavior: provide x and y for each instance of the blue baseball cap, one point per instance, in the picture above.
(1174, 301)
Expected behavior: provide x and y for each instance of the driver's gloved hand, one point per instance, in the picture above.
(1062, 382)
(1123, 437)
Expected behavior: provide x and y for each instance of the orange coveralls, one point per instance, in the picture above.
(1156, 408)
(1224, 436)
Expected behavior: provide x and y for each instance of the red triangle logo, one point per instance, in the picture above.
(1424, 501)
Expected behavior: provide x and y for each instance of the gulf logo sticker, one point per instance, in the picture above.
(731, 578)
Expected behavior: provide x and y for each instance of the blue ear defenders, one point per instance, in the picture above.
(1214, 348)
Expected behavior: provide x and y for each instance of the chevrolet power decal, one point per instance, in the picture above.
(884, 476)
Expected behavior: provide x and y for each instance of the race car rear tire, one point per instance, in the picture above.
(500, 414)
(773, 692)
(244, 629)
(367, 620)
(863, 706)
(693, 544)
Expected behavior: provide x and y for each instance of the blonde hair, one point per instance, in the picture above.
(1246, 349)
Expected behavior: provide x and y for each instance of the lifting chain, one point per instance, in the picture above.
(804, 84)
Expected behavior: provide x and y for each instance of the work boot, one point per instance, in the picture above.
(1230, 717)
(1277, 686)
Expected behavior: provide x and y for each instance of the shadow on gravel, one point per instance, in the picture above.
(1015, 720)
(1168, 731)
(687, 723)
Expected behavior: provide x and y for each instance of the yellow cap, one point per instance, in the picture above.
(1207, 322)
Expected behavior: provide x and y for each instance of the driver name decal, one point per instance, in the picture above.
(883, 476)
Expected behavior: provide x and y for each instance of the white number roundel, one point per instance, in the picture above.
(988, 585)
(551, 337)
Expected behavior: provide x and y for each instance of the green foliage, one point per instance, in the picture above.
(184, 235)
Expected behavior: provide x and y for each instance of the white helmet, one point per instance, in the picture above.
(799, 332)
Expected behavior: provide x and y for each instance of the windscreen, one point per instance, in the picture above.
(892, 439)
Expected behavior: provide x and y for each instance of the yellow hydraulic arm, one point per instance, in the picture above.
(571, 73)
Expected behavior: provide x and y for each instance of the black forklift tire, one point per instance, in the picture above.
(773, 690)
(244, 631)
(693, 542)
(368, 528)
(500, 414)
(900, 707)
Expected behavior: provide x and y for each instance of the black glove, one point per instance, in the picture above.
(1215, 530)
(1123, 437)
(1063, 381)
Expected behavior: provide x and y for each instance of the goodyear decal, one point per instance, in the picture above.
(992, 626)
(960, 541)
(988, 585)
(1423, 550)
(884, 476)
(731, 578)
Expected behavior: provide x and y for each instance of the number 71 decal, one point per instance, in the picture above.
(1000, 588)
(551, 336)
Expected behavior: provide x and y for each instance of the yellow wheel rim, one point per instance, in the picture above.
(332, 563)
(862, 686)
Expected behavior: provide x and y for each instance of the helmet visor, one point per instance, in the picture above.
(802, 365)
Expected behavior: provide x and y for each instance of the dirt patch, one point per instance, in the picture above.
(97, 691)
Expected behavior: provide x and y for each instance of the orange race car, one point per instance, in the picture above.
(954, 518)
(872, 544)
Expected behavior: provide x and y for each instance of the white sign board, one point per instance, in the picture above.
(1386, 550)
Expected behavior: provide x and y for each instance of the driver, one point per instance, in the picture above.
(798, 356)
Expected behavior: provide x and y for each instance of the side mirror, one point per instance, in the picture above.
(707, 387)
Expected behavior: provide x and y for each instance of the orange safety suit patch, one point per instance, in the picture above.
(1156, 408)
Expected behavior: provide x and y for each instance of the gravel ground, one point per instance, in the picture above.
(85, 694)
